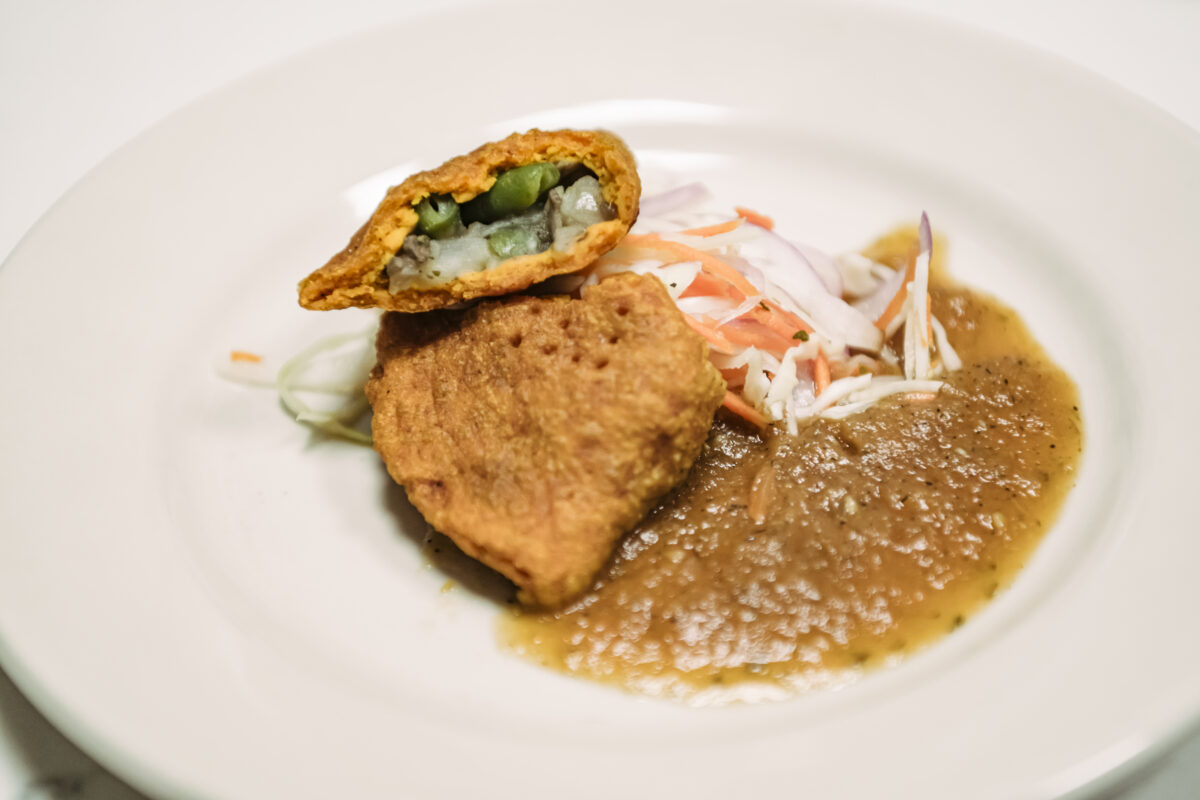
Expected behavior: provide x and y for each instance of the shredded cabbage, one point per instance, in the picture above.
(353, 356)
(334, 369)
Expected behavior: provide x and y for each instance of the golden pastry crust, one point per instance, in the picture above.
(357, 275)
(536, 431)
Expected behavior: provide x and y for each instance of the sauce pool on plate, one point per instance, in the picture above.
(787, 562)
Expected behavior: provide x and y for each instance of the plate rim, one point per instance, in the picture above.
(144, 774)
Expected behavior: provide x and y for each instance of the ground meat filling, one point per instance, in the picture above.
(529, 210)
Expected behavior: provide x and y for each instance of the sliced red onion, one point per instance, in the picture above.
(873, 305)
(823, 265)
(767, 289)
(817, 262)
(680, 197)
(750, 271)
(832, 317)
(788, 255)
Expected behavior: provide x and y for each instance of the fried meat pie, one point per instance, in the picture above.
(535, 431)
(495, 221)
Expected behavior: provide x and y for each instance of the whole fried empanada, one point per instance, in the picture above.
(535, 431)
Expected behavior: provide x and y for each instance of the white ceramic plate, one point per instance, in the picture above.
(218, 606)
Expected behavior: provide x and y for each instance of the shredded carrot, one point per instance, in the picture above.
(713, 230)
(743, 409)
(708, 262)
(708, 285)
(242, 355)
(777, 323)
(791, 319)
(893, 308)
(821, 372)
(651, 240)
(736, 377)
(755, 218)
(749, 332)
(775, 328)
(714, 337)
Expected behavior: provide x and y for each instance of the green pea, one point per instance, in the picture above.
(514, 190)
(438, 216)
(512, 241)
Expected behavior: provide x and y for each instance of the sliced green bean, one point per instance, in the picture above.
(438, 216)
(510, 242)
(549, 176)
(514, 190)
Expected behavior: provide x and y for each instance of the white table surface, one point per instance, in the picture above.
(78, 79)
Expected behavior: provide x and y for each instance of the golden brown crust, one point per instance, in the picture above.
(535, 431)
(356, 276)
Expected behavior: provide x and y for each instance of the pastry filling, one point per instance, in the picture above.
(528, 210)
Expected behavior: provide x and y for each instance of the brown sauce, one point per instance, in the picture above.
(798, 561)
